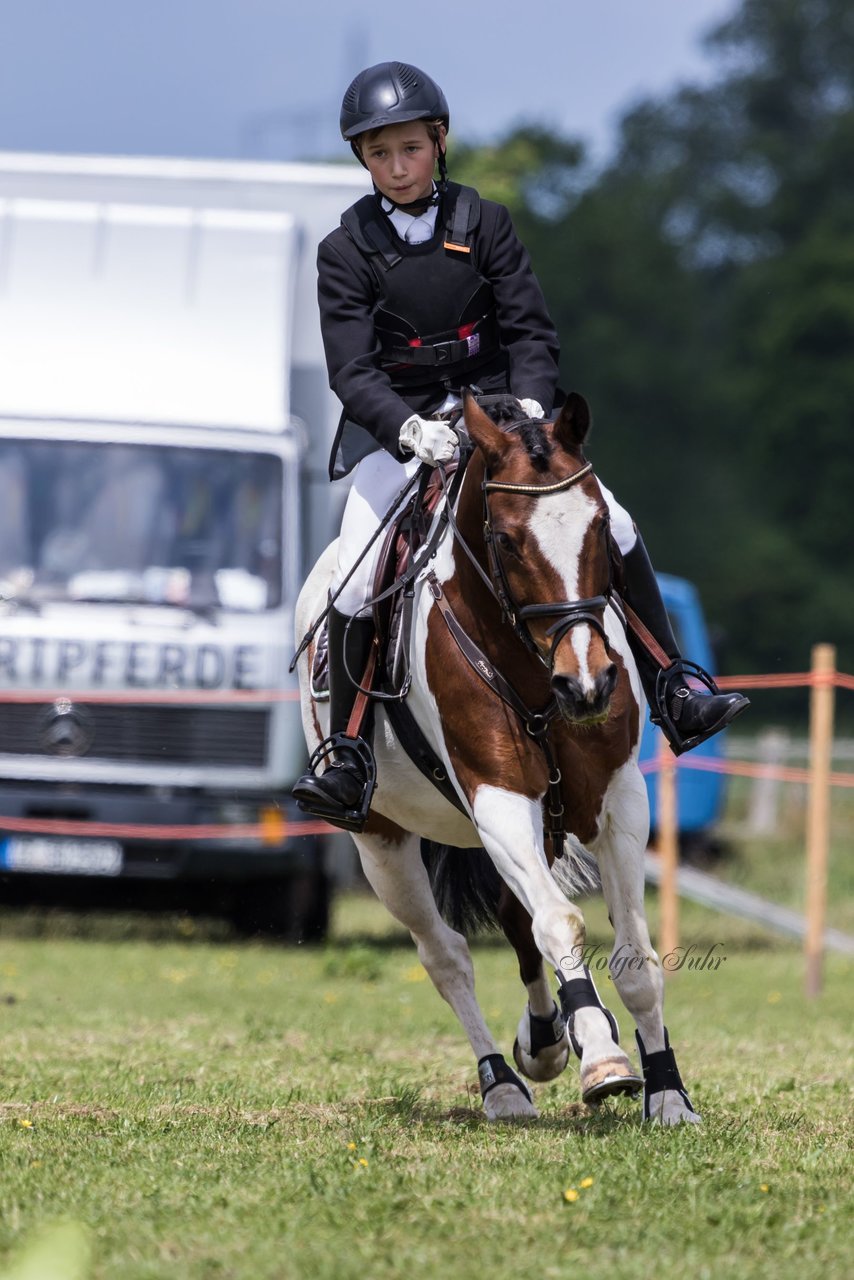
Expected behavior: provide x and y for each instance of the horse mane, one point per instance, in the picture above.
(505, 411)
(537, 443)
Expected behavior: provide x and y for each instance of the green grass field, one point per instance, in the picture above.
(176, 1103)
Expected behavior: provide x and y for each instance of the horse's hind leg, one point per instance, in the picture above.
(541, 1048)
(634, 965)
(391, 859)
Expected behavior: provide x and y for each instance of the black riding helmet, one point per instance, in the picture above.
(391, 93)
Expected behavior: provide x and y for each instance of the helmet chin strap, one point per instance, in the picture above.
(416, 207)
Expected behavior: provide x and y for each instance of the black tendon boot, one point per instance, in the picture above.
(687, 716)
(340, 787)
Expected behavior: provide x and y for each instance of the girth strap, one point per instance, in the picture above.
(422, 755)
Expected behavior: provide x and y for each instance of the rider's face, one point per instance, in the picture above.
(401, 159)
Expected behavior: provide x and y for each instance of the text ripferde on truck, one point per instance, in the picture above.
(164, 424)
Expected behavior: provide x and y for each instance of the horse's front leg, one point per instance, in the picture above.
(391, 859)
(634, 965)
(510, 828)
(541, 1047)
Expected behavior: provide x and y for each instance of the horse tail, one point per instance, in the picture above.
(576, 873)
(465, 884)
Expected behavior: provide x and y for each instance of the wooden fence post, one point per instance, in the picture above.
(818, 810)
(668, 852)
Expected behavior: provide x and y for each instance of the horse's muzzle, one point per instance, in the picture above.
(578, 703)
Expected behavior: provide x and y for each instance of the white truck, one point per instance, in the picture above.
(165, 419)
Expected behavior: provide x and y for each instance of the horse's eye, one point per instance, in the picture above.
(505, 542)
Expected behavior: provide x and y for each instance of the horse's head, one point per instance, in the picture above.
(546, 530)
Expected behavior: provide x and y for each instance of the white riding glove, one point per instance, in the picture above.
(430, 440)
(533, 408)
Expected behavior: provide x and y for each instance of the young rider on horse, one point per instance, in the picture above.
(424, 289)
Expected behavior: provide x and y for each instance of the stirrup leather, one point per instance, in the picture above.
(352, 819)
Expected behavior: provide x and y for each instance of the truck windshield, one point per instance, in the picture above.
(198, 528)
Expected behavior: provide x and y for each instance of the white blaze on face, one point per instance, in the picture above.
(560, 523)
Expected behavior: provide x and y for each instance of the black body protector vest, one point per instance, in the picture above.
(435, 316)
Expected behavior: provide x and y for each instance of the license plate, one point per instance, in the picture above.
(62, 856)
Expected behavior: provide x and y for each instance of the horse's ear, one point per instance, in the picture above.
(490, 439)
(573, 422)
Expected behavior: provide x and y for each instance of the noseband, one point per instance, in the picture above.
(568, 613)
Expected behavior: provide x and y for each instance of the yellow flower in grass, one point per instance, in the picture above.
(363, 1162)
(571, 1195)
(763, 1186)
(25, 1124)
(586, 1182)
(351, 1146)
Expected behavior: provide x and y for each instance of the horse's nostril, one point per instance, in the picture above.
(581, 701)
(567, 686)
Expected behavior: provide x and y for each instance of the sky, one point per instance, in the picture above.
(263, 79)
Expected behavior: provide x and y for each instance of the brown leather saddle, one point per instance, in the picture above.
(392, 611)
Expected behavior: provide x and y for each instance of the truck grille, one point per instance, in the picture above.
(150, 735)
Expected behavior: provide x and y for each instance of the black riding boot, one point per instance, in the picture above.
(687, 716)
(342, 783)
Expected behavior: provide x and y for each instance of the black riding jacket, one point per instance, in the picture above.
(403, 324)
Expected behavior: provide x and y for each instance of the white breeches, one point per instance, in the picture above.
(376, 482)
(623, 529)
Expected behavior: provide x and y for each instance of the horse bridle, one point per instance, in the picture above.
(568, 613)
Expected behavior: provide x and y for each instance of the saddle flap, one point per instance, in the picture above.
(393, 615)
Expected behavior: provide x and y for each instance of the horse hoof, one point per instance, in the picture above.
(547, 1065)
(607, 1078)
(670, 1108)
(507, 1102)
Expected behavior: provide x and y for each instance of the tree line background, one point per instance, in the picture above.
(702, 284)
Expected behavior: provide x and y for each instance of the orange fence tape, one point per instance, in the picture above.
(787, 680)
(257, 831)
(162, 831)
(743, 769)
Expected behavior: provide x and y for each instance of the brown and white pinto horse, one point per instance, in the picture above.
(525, 576)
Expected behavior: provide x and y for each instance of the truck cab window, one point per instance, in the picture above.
(118, 522)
